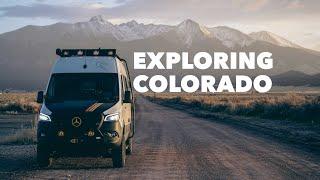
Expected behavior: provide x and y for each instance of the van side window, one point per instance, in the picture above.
(122, 86)
(129, 88)
(126, 84)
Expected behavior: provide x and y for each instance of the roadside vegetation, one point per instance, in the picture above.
(283, 106)
(14, 104)
(22, 136)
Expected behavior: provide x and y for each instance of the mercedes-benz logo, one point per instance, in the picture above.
(76, 121)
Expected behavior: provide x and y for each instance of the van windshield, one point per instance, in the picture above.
(102, 87)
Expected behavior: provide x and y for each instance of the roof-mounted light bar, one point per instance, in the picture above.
(85, 52)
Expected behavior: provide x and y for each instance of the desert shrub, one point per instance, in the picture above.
(241, 110)
(288, 106)
(18, 103)
(218, 107)
(312, 110)
(174, 100)
(20, 108)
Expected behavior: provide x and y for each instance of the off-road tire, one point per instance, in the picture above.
(119, 155)
(43, 156)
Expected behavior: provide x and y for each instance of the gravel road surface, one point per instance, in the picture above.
(171, 144)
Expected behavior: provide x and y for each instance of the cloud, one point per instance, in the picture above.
(251, 5)
(256, 5)
(96, 5)
(286, 17)
(168, 11)
(296, 4)
(52, 11)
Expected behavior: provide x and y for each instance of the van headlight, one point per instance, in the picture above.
(44, 117)
(112, 117)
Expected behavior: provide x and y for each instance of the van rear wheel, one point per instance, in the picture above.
(119, 155)
(43, 156)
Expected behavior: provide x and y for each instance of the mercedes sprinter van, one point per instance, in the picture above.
(87, 107)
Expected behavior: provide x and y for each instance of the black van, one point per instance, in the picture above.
(87, 108)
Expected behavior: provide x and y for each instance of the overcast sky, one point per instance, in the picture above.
(296, 20)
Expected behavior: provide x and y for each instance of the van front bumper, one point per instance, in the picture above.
(108, 135)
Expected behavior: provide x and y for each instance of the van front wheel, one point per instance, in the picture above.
(119, 155)
(43, 156)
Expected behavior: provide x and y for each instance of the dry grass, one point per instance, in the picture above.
(13, 103)
(289, 106)
(23, 136)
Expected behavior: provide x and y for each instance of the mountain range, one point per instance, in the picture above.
(28, 53)
(296, 78)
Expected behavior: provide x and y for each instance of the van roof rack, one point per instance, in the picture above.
(85, 52)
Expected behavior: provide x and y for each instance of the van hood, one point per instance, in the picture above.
(78, 107)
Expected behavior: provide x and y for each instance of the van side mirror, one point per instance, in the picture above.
(127, 97)
(40, 97)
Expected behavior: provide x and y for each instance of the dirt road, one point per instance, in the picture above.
(172, 144)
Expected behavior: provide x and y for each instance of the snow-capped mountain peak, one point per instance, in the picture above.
(99, 27)
(273, 39)
(231, 37)
(131, 23)
(135, 30)
(188, 22)
(189, 31)
(98, 19)
(189, 25)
